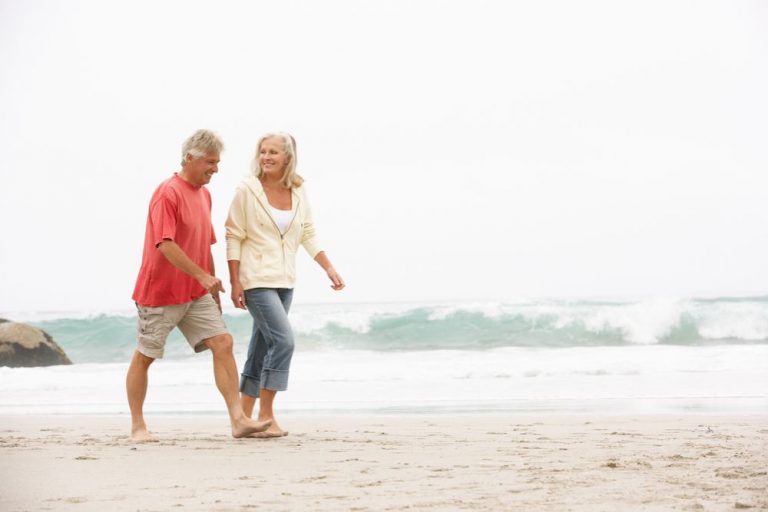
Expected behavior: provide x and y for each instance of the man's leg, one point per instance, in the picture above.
(136, 388)
(225, 373)
(248, 403)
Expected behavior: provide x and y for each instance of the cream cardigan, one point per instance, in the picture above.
(267, 257)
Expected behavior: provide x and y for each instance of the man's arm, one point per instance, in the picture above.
(180, 260)
(215, 294)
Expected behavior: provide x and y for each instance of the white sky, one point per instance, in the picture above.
(469, 150)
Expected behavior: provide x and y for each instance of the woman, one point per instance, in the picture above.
(268, 219)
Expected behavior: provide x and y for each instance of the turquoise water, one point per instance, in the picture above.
(478, 326)
(653, 356)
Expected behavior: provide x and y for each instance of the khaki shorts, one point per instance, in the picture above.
(198, 320)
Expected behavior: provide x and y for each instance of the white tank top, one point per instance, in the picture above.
(283, 218)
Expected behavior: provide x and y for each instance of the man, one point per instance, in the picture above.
(177, 287)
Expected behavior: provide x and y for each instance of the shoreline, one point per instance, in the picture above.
(361, 462)
(542, 412)
(210, 404)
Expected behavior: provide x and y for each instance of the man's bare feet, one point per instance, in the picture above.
(142, 435)
(246, 426)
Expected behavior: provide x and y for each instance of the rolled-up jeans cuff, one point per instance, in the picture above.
(249, 386)
(276, 380)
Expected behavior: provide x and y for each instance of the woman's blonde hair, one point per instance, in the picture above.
(289, 179)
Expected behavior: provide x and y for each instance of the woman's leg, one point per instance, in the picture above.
(266, 399)
(251, 376)
(270, 310)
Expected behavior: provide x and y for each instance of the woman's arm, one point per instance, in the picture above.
(238, 295)
(236, 233)
(309, 241)
(323, 261)
(236, 225)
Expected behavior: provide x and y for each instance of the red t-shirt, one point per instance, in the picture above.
(181, 212)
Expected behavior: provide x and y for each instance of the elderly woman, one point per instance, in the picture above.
(268, 219)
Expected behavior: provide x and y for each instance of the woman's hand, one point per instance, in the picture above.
(323, 261)
(338, 282)
(238, 295)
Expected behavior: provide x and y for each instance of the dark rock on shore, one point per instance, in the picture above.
(22, 345)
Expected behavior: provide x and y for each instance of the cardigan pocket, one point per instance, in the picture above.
(253, 269)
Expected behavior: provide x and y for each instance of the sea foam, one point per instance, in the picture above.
(469, 326)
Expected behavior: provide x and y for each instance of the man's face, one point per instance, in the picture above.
(200, 170)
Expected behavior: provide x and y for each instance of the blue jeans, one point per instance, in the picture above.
(271, 347)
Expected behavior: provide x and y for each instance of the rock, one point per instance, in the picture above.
(22, 345)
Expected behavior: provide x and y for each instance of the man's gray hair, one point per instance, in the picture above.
(201, 143)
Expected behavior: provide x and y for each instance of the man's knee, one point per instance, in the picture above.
(220, 344)
(142, 360)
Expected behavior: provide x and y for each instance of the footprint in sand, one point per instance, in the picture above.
(731, 473)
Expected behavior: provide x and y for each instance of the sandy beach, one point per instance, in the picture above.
(386, 462)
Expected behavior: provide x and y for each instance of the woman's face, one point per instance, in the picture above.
(272, 157)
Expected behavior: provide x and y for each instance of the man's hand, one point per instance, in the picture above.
(211, 283)
(217, 300)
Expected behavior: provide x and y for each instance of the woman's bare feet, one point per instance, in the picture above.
(273, 431)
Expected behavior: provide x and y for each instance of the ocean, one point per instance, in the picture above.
(518, 357)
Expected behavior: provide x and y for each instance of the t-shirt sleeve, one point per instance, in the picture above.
(164, 219)
(210, 207)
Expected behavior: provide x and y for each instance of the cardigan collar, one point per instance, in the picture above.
(254, 185)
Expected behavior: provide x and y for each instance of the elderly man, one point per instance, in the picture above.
(176, 286)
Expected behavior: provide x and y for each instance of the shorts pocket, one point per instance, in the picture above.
(151, 319)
